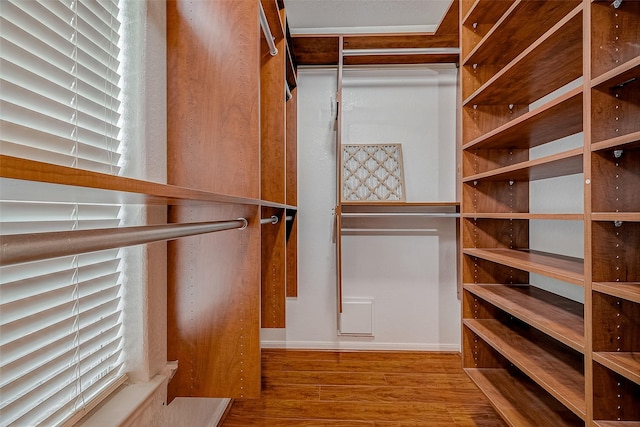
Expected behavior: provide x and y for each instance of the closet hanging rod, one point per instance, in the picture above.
(19, 248)
(273, 50)
(402, 51)
(383, 214)
(271, 220)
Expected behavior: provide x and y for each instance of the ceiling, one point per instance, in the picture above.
(364, 16)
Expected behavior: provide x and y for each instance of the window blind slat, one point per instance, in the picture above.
(13, 273)
(64, 94)
(16, 311)
(50, 70)
(33, 286)
(27, 325)
(60, 319)
(31, 211)
(67, 414)
(25, 117)
(20, 378)
(23, 348)
(52, 107)
(54, 24)
(71, 57)
(49, 388)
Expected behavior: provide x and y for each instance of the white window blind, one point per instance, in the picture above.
(60, 319)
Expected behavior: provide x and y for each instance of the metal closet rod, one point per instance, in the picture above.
(271, 220)
(273, 50)
(19, 248)
(383, 214)
(402, 51)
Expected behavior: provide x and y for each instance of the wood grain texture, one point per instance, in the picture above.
(480, 119)
(616, 251)
(568, 269)
(616, 105)
(515, 31)
(534, 73)
(615, 397)
(81, 186)
(328, 388)
(626, 364)
(450, 23)
(315, 50)
(292, 149)
(494, 233)
(556, 316)
(553, 368)
(478, 270)
(616, 324)
(212, 96)
(495, 196)
(292, 256)
(556, 119)
(273, 277)
(626, 290)
(556, 165)
(213, 323)
(615, 35)
(476, 161)
(519, 401)
(273, 125)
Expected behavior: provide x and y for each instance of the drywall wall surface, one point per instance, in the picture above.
(411, 276)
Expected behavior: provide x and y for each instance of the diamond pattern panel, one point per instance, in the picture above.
(372, 172)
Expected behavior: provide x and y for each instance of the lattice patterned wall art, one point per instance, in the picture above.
(372, 172)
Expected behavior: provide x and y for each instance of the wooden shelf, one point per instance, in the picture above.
(535, 72)
(600, 423)
(616, 216)
(626, 364)
(566, 163)
(479, 12)
(399, 207)
(620, 74)
(568, 269)
(554, 120)
(520, 402)
(626, 290)
(549, 369)
(616, 102)
(117, 189)
(516, 215)
(556, 316)
(516, 31)
(630, 140)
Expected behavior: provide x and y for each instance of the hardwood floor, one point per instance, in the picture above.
(385, 389)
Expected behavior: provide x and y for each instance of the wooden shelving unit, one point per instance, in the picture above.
(545, 46)
(230, 142)
(615, 211)
(278, 129)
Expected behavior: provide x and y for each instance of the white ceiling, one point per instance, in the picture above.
(364, 16)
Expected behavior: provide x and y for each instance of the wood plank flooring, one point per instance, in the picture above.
(385, 389)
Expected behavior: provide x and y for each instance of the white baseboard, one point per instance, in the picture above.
(353, 345)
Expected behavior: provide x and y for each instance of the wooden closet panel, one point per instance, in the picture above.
(495, 233)
(212, 93)
(292, 255)
(272, 123)
(213, 306)
(292, 148)
(273, 270)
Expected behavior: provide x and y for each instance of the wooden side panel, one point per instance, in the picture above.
(212, 93)
(495, 196)
(616, 107)
(213, 145)
(615, 397)
(213, 305)
(496, 233)
(272, 124)
(292, 148)
(273, 270)
(616, 324)
(616, 252)
(292, 255)
(478, 120)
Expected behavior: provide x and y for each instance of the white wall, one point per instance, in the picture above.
(411, 278)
